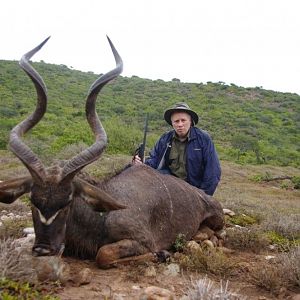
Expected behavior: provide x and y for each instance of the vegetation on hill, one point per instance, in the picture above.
(248, 125)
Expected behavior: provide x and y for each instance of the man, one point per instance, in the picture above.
(186, 151)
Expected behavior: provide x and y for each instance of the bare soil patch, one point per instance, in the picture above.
(128, 282)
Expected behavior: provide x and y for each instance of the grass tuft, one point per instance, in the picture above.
(13, 228)
(206, 260)
(204, 289)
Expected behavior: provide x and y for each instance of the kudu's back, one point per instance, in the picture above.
(159, 208)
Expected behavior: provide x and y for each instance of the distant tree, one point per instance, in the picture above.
(245, 143)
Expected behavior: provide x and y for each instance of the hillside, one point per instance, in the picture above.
(248, 125)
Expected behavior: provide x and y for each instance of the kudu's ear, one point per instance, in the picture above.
(95, 197)
(11, 190)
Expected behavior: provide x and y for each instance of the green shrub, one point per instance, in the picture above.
(296, 182)
(282, 242)
(179, 243)
(206, 260)
(243, 220)
(14, 290)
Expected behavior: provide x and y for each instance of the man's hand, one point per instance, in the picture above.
(136, 160)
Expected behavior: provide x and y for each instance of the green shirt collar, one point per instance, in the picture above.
(176, 137)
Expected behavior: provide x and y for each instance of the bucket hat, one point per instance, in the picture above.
(180, 107)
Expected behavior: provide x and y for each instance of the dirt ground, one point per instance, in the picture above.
(129, 282)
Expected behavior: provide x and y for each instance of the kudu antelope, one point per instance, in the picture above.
(136, 213)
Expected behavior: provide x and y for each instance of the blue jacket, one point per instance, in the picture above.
(202, 166)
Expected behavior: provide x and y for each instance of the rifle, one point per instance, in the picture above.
(140, 151)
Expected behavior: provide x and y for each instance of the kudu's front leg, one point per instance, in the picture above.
(122, 252)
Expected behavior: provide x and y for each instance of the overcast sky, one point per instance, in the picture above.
(246, 42)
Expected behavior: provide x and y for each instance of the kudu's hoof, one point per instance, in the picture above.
(162, 256)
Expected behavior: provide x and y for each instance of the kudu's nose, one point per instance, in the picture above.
(47, 250)
(41, 250)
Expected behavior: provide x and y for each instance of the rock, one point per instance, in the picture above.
(193, 246)
(28, 230)
(270, 257)
(272, 247)
(83, 277)
(208, 243)
(214, 240)
(31, 235)
(228, 212)
(296, 297)
(4, 218)
(239, 227)
(156, 293)
(200, 236)
(172, 270)
(51, 268)
(225, 250)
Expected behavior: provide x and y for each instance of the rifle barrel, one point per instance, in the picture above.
(143, 146)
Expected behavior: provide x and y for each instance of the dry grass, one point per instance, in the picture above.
(12, 262)
(285, 225)
(10, 166)
(281, 272)
(13, 227)
(291, 264)
(275, 208)
(204, 289)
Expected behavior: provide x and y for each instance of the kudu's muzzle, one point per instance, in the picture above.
(47, 250)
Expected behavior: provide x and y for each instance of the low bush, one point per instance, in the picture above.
(14, 290)
(282, 243)
(243, 220)
(206, 260)
(246, 239)
(282, 272)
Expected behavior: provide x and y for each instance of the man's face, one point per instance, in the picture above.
(181, 123)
